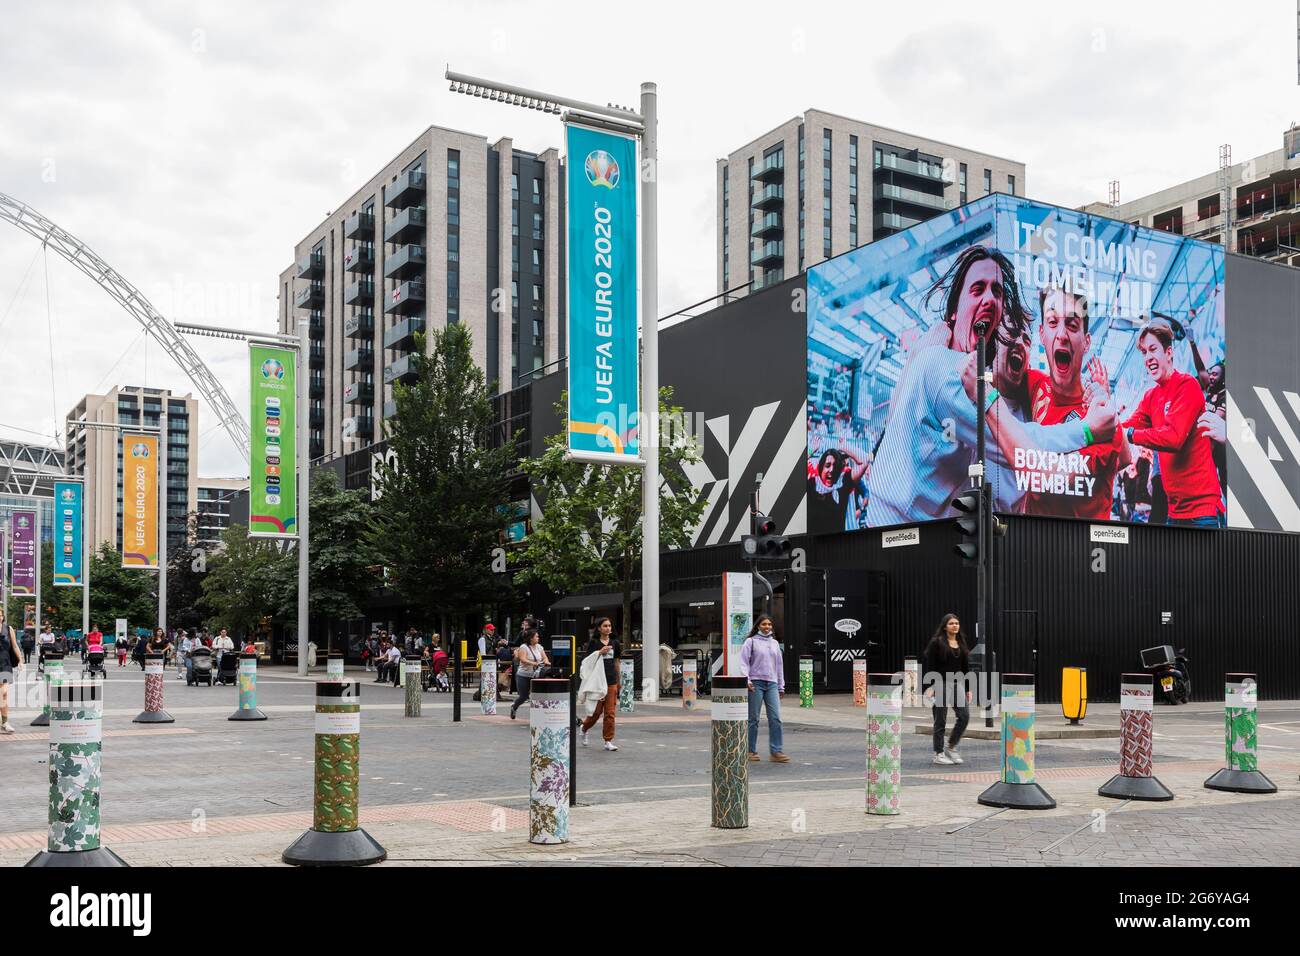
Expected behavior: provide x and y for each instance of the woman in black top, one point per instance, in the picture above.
(11, 658)
(945, 667)
(604, 643)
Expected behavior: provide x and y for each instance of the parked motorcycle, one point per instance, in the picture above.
(1173, 677)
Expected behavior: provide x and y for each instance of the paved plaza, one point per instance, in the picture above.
(206, 791)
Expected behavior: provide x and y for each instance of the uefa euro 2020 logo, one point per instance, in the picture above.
(272, 368)
(140, 450)
(69, 495)
(601, 169)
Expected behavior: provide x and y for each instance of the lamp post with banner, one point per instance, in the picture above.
(613, 417)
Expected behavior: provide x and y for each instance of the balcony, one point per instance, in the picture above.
(913, 196)
(402, 335)
(767, 279)
(402, 370)
(390, 409)
(919, 168)
(406, 299)
(316, 448)
(361, 226)
(316, 355)
(767, 226)
(407, 190)
(771, 169)
(890, 220)
(769, 253)
(317, 386)
(363, 357)
(769, 197)
(406, 225)
(360, 326)
(316, 417)
(316, 324)
(360, 259)
(366, 425)
(311, 266)
(361, 292)
(406, 263)
(359, 393)
(311, 297)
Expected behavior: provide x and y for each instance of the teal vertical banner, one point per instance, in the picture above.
(68, 502)
(604, 379)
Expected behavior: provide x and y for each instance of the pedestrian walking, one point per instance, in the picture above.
(763, 665)
(945, 666)
(222, 645)
(608, 647)
(530, 659)
(11, 659)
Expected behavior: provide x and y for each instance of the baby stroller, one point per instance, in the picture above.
(228, 671)
(95, 662)
(200, 667)
(439, 681)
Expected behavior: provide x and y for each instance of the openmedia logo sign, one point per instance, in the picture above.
(76, 909)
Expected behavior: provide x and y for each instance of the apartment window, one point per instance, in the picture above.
(749, 229)
(453, 247)
(453, 209)
(537, 226)
(853, 192)
(961, 185)
(726, 231)
(537, 191)
(514, 186)
(453, 236)
(801, 192)
(1011, 184)
(514, 257)
(826, 193)
(537, 296)
(514, 221)
(537, 262)
(453, 169)
(514, 295)
(988, 181)
(1208, 207)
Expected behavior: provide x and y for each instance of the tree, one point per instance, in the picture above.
(116, 592)
(441, 511)
(339, 555)
(186, 568)
(590, 529)
(243, 577)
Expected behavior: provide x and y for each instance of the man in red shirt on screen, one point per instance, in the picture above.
(1060, 396)
(1165, 421)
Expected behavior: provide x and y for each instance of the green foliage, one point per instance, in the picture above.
(186, 568)
(440, 512)
(242, 580)
(590, 529)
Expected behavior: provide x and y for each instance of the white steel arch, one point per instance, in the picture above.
(133, 301)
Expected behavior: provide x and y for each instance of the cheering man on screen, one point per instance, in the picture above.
(1166, 422)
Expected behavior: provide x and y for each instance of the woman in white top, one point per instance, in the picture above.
(530, 657)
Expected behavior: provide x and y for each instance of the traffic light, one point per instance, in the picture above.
(765, 542)
(968, 525)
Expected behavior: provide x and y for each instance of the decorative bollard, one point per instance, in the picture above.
(247, 690)
(1240, 723)
(76, 743)
(412, 687)
(805, 681)
(626, 685)
(487, 685)
(1134, 780)
(690, 690)
(911, 681)
(1017, 788)
(729, 795)
(549, 728)
(153, 712)
(336, 837)
(860, 682)
(884, 743)
(54, 675)
(334, 666)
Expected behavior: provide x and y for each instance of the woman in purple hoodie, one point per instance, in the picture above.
(760, 660)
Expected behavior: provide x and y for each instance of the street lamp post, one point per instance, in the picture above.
(643, 125)
(298, 342)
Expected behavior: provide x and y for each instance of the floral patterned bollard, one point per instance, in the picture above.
(336, 837)
(690, 686)
(334, 665)
(729, 803)
(860, 682)
(153, 712)
(487, 683)
(884, 743)
(1134, 780)
(1017, 789)
(1240, 723)
(412, 688)
(626, 685)
(549, 727)
(247, 690)
(805, 681)
(76, 742)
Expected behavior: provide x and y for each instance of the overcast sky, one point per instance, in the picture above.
(193, 144)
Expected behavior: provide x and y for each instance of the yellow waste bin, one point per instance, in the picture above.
(1074, 693)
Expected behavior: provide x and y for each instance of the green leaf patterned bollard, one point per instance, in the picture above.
(805, 681)
(1240, 727)
(729, 803)
(626, 685)
(549, 726)
(884, 700)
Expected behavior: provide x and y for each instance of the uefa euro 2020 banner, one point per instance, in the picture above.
(139, 501)
(67, 534)
(1106, 350)
(273, 493)
(603, 305)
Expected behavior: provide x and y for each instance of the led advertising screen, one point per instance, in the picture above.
(1106, 353)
